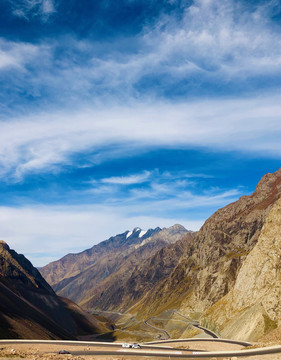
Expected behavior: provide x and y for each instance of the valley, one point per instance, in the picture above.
(200, 275)
(168, 325)
(160, 286)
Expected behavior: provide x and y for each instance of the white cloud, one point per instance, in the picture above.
(48, 7)
(31, 8)
(226, 38)
(44, 142)
(128, 180)
(218, 43)
(16, 55)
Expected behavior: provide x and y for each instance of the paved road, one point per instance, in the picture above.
(176, 353)
(88, 344)
(228, 341)
(187, 320)
(196, 324)
(156, 328)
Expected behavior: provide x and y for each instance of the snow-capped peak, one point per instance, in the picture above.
(136, 230)
(142, 233)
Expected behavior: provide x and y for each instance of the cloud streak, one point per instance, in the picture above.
(45, 142)
(128, 180)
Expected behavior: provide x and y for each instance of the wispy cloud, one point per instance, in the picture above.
(212, 47)
(128, 180)
(45, 142)
(17, 54)
(32, 8)
(223, 38)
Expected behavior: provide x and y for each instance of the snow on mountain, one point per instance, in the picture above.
(142, 233)
(136, 229)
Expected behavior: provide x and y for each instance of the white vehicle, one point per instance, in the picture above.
(132, 346)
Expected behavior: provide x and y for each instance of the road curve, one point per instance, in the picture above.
(228, 341)
(196, 324)
(156, 328)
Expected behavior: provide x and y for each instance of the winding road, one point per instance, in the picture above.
(187, 320)
(158, 329)
(196, 324)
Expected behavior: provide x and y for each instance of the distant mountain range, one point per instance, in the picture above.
(105, 276)
(30, 309)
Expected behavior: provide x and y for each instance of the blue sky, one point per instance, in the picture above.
(116, 114)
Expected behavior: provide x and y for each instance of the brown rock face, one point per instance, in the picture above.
(29, 308)
(209, 268)
(253, 307)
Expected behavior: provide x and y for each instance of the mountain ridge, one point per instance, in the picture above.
(120, 255)
(71, 264)
(29, 308)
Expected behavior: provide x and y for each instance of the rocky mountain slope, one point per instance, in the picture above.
(125, 287)
(72, 264)
(235, 255)
(252, 307)
(29, 308)
(100, 272)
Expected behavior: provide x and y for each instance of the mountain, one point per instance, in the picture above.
(252, 307)
(29, 308)
(125, 287)
(230, 272)
(105, 267)
(72, 264)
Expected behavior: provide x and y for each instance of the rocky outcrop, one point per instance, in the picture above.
(253, 307)
(29, 308)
